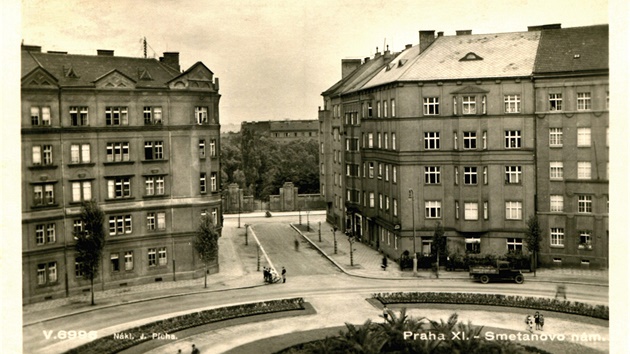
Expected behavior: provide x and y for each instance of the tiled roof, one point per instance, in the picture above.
(88, 68)
(502, 55)
(573, 49)
(356, 79)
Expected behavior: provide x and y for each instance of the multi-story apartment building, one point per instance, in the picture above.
(138, 136)
(442, 132)
(284, 130)
(571, 84)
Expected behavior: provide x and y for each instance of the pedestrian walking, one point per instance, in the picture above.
(537, 320)
(195, 350)
(266, 274)
(529, 323)
(385, 312)
(561, 291)
(384, 265)
(541, 320)
(284, 275)
(297, 245)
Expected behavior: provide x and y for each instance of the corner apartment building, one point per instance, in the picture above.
(444, 131)
(571, 84)
(138, 136)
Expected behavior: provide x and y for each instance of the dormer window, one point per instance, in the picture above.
(470, 56)
(70, 73)
(143, 74)
(401, 62)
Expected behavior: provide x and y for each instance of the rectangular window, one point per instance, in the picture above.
(81, 191)
(583, 137)
(512, 174)
(370, 140)
(515, 245)
(129, 260)
(380, 201)
(513, 210)
(152, 257)
(116, 116)
(378, 140)
(471, 211)
(35, 119)
(512, 103)
(78, 267)
(473, 245)
(470, 140)
(386, 172)
(469, 105)
(393, 108)
(371, 199)
(431, 106)
(485, 211)
(512, 139)
(378, 109)
(557, 236)
(119, 187)
(52, 272)
(156, 220)
(80, 153)
(202, 183)
(555, 102)
(393, 141)
(556, 203)
(484, 139)
(385, 109)
(371, 169)
(585, 204)
(39, 234)
(154, 185)
(202, 149)
(41, 274)
(43, 194)
(119, 224)
(385, 141)
(201, 115)
(40, 116)
(42, 155)
(162, 256)
(584, 170)
(394, 174)
(370, 109)
(213, 181)
(470, 175)
(555, 137)
(395, 206)
(433, 209)
(153, 150)
(78, 116)
(432, 174)
(213, 147)
(585, 239)
(556, 170)
(583, 101)
(432, 140)
(457, 210)
(117, 152)
(113, 258)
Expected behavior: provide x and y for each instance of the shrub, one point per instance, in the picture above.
(543, 304)
(174, 324)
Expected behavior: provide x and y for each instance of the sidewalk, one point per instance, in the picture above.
(366, 261)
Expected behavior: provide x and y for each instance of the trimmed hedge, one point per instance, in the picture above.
(577, 308)
(171, 325)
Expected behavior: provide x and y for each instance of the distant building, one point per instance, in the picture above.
(284, 130)
(138, 136)
(448, 131)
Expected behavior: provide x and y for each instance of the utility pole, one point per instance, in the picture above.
(351, 241)
(413, 226)
(319, 229)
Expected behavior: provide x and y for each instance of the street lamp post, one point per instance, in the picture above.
(413, 226)
(334, 230)
(319, 229)
(351, 241)
(239, 209)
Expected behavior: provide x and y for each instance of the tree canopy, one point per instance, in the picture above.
(90, 240)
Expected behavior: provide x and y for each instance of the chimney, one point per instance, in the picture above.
(56, 52)
(544, 27)
(463, 32)
(366, 59)
(348, 66)
(440, 34)
(105, 52)
(407, 46)
(171, 59)
(426, 38)
(387, 54)
(32, 48)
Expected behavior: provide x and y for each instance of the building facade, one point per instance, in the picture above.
(284, 130)
(444, 132)
(138, 136)
(571, 84)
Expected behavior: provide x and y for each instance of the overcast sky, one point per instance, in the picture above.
(275, 58)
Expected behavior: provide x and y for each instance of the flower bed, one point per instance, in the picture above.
(137, 335)
(577, 308)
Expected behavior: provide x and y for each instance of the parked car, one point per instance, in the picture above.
(502, 271)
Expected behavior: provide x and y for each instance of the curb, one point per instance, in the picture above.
(135, 302)
(416, 278)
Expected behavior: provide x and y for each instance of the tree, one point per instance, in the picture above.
(90, 241)
(207, 244)
(438, 245)
(533, 238)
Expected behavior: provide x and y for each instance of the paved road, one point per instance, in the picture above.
(310, 276)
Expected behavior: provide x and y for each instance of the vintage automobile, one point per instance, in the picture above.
(502, 271)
